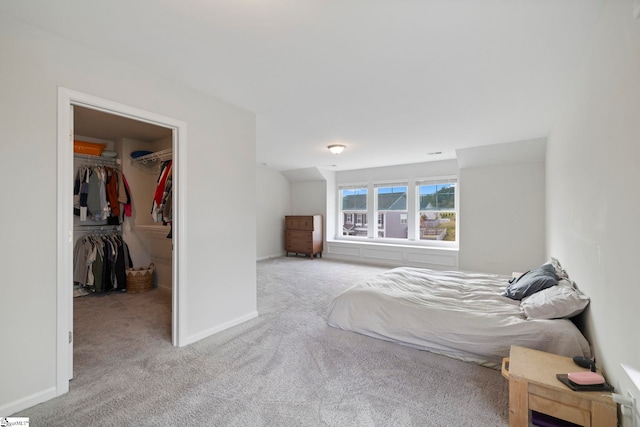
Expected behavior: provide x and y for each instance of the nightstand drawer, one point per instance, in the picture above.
(560, 410)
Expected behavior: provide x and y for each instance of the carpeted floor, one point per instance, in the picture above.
(284, 368)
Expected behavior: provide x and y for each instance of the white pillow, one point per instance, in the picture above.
(556, 302)
(560, 272)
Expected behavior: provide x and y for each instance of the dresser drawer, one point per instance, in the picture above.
(305, 223)
(292, 222)
(298, 241)
(299, 223)
(303, 235)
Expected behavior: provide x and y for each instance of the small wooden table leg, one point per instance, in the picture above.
(603, 415)
(518, 403)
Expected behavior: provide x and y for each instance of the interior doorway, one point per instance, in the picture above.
(113, 115)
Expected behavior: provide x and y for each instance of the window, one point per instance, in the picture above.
(353, 211)
(391, 205)
(419, 212)
(437, 210)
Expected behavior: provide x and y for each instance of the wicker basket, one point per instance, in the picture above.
(140, 279)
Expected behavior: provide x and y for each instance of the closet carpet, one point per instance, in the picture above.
(283, 368)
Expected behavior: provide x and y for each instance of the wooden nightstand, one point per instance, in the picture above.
(533, 386)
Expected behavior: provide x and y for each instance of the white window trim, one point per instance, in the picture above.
(378, 212)
(413, 238)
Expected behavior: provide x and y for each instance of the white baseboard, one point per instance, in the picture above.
(204, 334)
(262, 258)
(27, 402)
(167, 288)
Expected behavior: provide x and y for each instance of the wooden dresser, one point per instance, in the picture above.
(303, 235)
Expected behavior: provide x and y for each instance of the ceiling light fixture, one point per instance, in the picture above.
(336, 148)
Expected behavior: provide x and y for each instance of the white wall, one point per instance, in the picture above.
(502, 225)
(331, 203)
(150, 244)
(297, 192)
(273, 202)
(309, 198)
(502, 216)
(411, 171)
(220, 267)
(142, 185)
(502, 209)
(593, 203)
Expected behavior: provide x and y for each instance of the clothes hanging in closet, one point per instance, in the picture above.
(99, 263)
(161, 207)
(98, 192)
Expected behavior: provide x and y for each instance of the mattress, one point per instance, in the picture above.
(458, 314)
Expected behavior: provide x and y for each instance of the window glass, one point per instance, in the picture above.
(353, 211)
(421, 212)
(391, 208)
(437, 211)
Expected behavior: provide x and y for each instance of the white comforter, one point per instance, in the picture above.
(458, 314)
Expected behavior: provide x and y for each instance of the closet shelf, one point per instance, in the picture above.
(97, 160)
(153, 159)
(98, 229)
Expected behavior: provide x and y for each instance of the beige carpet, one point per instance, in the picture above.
(284, 368)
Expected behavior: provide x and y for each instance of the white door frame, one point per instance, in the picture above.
(64, 277)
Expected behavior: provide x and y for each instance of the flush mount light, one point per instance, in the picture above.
(336, 148)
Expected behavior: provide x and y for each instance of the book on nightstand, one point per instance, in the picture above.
(564, 379)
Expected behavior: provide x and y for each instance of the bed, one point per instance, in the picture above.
(467, 316)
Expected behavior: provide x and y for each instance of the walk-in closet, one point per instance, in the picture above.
(123, 215)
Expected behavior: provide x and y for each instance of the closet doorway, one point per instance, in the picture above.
(123, 130)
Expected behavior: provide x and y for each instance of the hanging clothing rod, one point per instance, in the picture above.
(97, 160)
(158, 156)
(97, 228)
(149, 163)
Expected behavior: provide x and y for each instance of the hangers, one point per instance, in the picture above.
(98, 161)
(149, 163)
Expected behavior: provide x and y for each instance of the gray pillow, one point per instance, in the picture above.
(531, 282)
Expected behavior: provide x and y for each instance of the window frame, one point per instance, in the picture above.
(381, 234)
(437, 181)
(412, 211)
(357, 215)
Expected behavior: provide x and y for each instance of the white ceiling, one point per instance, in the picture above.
(394, 80)
(110, 127)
